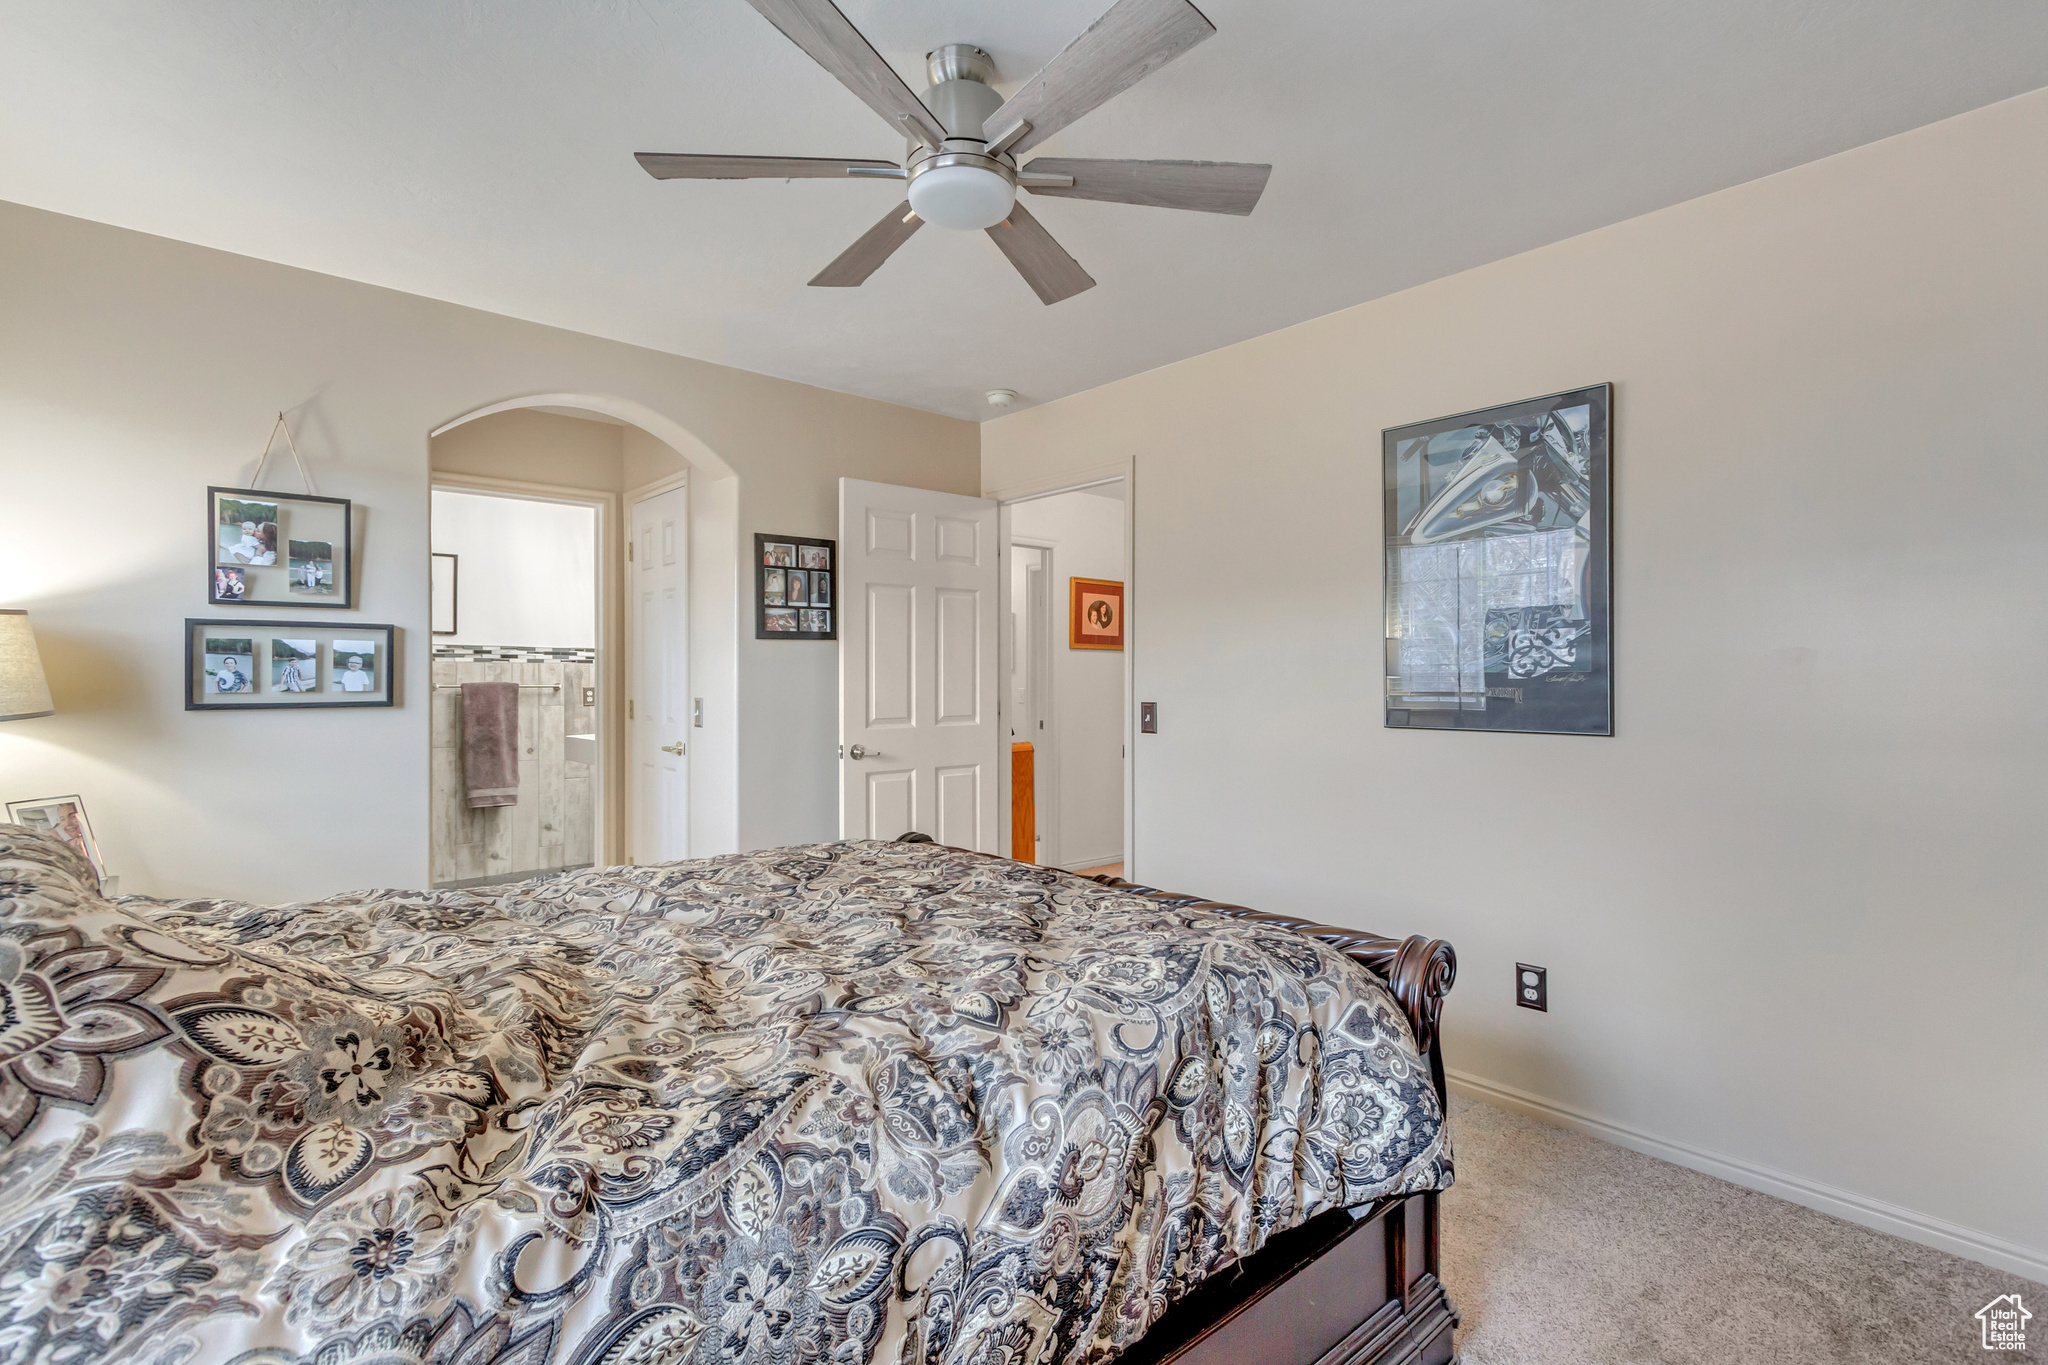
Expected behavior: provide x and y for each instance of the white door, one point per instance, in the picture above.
(918, 640)
(658, 713)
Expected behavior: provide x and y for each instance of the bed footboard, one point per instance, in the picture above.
(1350, 1287)
(1420, 971)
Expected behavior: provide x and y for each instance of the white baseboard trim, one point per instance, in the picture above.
(1839, 1203)
(1076, 864)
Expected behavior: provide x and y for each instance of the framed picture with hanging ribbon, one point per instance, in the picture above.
(268, 549)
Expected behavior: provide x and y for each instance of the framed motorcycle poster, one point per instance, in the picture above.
(1498, 546)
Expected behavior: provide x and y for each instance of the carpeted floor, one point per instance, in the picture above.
(1559, 1249)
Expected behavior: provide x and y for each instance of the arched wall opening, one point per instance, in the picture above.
(612, 453)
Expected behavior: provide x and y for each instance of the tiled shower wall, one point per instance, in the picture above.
(554, 824)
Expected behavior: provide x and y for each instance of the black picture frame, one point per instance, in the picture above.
(800, 614)
(344, 567)
(196, 628)
(1497, 568)
(454, 594)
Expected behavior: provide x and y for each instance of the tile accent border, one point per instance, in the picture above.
(532, 654)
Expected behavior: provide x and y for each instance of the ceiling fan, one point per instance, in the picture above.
(962, 171)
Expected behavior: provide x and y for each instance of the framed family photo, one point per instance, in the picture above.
(1095, 614)
(1497, 542)
(278, 549)
(63, 816)
(278, 665)
(793, 590)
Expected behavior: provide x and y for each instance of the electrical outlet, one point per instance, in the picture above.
(1532, 987)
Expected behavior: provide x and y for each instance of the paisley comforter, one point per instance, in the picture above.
(839, 1103)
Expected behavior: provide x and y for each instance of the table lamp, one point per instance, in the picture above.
(24, 691)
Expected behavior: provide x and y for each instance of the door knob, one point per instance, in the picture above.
(676, 748)
(856, 752)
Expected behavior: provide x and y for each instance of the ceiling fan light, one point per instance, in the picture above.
(967, 198)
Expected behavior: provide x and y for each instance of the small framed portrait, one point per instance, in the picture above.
(294, 665)
(793, 587)
(230, 665)
(277, 665)
(277, 549)
(312, 566)
(63, 816)
(1095, 614)
(353, 667)
(443, 585)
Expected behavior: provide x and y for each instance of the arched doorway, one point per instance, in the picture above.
(672, 670)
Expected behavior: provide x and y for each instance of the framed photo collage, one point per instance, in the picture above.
(795, 591)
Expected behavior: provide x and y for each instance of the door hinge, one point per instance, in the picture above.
(629, 710)
(629, 552)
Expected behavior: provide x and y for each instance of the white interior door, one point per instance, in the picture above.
(918, 642)
(658, 723)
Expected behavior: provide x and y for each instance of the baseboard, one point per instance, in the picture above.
(1076, 864)
(1839, 1203)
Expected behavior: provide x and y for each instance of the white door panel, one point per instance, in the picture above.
(962, 616)
(657, 727)
(917, 664)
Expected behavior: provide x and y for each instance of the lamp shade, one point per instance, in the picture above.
(24, 692)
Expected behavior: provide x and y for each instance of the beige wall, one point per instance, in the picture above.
(526, 446)
(1794, 910)
(135, 371)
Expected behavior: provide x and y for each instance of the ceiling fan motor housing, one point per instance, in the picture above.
(960, 185)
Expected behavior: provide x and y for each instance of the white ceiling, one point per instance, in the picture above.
(480, 151)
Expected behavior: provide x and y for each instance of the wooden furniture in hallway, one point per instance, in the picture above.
(1023, 805)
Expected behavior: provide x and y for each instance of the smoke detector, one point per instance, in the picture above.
(1001, 398)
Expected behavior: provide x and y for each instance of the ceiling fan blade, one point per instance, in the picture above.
(1204, 186)
(1124, 46)
(875, 246)
(834, 43)
(689, 166)
(1045, 265)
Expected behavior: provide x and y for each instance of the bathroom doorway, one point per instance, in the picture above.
(519, 580)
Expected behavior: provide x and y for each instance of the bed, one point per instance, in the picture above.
(846, 1102)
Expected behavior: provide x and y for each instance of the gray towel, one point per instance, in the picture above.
(490, 743)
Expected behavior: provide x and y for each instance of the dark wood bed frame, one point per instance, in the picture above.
(1348, 1287)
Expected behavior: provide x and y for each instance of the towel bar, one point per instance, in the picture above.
(523, 687)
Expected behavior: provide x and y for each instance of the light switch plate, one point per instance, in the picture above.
(1148, 717)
